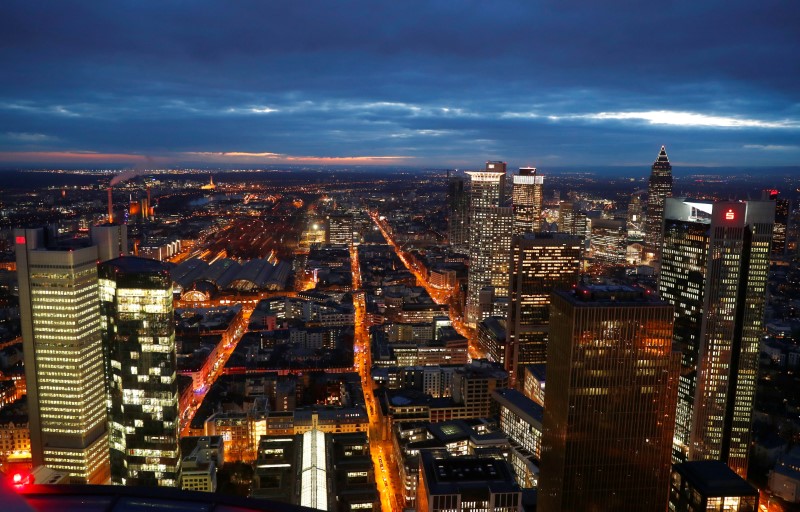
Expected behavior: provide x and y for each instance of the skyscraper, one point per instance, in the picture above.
(610, 401)
(659, 189)
(714, 271)
(139, 339)
(783, 208)
(526, 199)
(572, 220)
(60, 318)
(540, 263)
(635, 219)
(457, 213)
(490, 237)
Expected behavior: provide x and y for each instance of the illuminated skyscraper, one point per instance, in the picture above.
(660, 188)
(457, 213)
(610, 402)
(714, 271)
(490, 237)
(635, 220)
(60, 318)
(139, 339)
(526, 199)
(783, 208)
(572, 220)
(339, 229)
(540, 263)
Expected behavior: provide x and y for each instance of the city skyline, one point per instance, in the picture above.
(362, 84)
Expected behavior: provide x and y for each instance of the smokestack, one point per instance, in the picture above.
(110, 208)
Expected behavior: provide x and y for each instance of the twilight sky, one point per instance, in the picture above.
(417, 83)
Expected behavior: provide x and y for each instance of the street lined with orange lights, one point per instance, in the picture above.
(439, 296)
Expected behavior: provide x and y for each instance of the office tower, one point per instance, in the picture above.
(714, 271)
(783, 208)
(659, 189)
(712, 486)
(526, 199)
(608, 241)
(339, 229)
(540, 263)
(572, 220)
(111, 240)
(635, 220)
(457, 213)
(467, 484)
(139, 340)
(610, 401)
(490, 237)
(60, 319)
(491, 337)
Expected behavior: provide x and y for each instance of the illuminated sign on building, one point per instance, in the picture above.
(729, 215)
(20, 240)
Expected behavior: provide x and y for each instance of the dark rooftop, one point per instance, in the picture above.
(714, 478)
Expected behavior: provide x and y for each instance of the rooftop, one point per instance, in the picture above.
(714, 478)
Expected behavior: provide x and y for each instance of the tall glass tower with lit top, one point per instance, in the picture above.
(139, 340)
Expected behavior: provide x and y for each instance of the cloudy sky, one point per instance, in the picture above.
(417, 83)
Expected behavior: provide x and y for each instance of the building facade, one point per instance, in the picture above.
(540, 263)
(490, 237)
(714, 271)
(526, 199)
(457, 213)
(63, 352)
(610, 401)
(660, 188)
(139, 339)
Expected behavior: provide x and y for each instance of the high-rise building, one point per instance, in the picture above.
(60, 319)
(339, 229)
(540, 263)
(526, 199)
(111, 240)
(457, 213)
(610, 401)
(635, 220)
(572, 220)
(490, 237)
(714, 271)
(139, 340)
(659, 189)
(783, 208)
(608, 241)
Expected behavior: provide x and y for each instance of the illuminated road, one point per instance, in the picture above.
(219, 366)
(386, 473)
(440, 296)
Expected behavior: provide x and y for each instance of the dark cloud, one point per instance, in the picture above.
(447, 83)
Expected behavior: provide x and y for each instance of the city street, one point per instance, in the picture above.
(440, 296)
(385, 476)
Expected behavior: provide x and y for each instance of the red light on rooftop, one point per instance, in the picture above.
(20, 240)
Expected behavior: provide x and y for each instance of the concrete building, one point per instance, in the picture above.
(466, 484)
(64, 372)
(712, 486)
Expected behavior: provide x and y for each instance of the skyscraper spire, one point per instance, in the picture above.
(660, 188)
